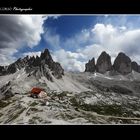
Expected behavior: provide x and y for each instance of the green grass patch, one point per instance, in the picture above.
(67, 116)
(33, 110)
(1, 114)
(116, 110)
(31, 121)
(14, 116)
(3, 103)
(34, 120)
(33, 104)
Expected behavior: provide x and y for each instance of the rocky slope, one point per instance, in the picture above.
(88, 97)
(103, 100)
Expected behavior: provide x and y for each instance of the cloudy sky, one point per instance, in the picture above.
(71, 39)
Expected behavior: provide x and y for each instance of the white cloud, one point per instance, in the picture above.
(33, 28)
(106, 15)
(30, 54)
(70, 61)
(109, 38)
(52, 39)
(19, 31)
(122, 28)
(91, 51)
(55, 16)
(104, 34)
(76, 41)
(7, 58)
(113, 40)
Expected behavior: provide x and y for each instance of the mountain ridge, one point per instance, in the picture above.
(76, 98)
(44, 63)
(122, 64)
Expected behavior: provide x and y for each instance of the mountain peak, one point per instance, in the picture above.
(122, 64)
(121, 54)
(41, 65)
(46, 55)
(90, 66)
(103, 63)
(104, 53)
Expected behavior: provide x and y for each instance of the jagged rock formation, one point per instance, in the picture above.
(90, 66)
(103, 63)
(43, 65)
(2, 70)
(122, 64)
(12, 68)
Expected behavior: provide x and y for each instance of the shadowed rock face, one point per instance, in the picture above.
(2, 70)
(122, 64)
(44, 63)
(103, 63)
(135, 66)
(90, 66)
(55, 67)
(139, 68)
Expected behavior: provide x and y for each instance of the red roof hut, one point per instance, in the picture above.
(36, 91)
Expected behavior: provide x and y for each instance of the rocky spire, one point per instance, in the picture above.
(103, 63)
(46, 55)
(135, 66)
(122, 64)
(90, 66)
